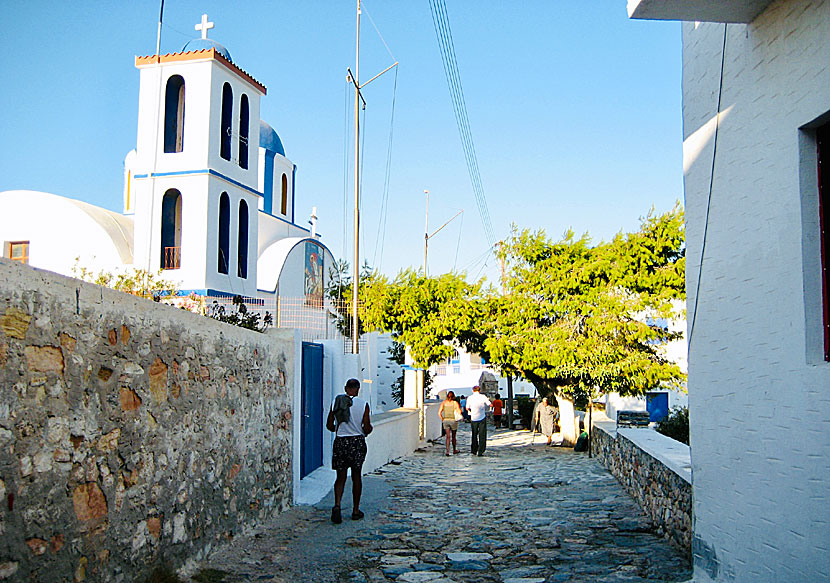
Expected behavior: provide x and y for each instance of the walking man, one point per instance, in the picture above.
(349, 420)
(478, 405)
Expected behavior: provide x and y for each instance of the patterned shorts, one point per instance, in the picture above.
(348, 452)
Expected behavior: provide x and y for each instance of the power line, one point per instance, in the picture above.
(380, 239)
(443, 33)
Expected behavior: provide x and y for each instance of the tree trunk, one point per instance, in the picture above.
(567, 421)
(510, 401)
(590, 427)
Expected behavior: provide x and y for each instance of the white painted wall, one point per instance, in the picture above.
(759, 391)
(386, 373)
(61, 229)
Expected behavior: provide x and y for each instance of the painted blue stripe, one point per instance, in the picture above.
(194, 172)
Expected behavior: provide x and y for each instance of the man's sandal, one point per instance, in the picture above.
(335, 515)
(357, 515)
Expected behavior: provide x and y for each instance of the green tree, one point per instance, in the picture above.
(575, 319)
(339, 293)
(427, 314)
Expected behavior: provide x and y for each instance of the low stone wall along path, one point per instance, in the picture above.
(523, 512)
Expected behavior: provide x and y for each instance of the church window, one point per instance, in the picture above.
(284, 199)
(244, 116)
(242, 247)
(227, 122)
(171, 230)
(174, 114)
(224, 232)
(17, 251)
(823, 155)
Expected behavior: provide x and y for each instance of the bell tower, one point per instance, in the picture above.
(192, 181)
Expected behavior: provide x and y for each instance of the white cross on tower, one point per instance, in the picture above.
(204, 26)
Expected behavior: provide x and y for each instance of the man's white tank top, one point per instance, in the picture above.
(353, 426)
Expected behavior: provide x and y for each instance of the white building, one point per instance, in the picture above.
(756, 127)
(463, 370)
(209, 198)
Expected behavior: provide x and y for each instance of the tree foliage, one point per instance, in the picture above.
(424, 313)
(339, 294)
(137, 282)
(575, 318)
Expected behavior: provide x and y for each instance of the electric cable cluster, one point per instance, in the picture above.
(441, 22)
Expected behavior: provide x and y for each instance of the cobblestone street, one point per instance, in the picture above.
(522, 513)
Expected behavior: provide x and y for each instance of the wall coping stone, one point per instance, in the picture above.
(671, 453)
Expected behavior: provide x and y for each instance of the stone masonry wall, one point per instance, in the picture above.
(131, 433)
(665, 497)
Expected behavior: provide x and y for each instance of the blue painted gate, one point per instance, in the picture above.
(657, 405)
(311, 438)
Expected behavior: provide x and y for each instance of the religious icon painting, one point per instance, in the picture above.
(313, 283)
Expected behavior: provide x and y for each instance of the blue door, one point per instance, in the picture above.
(311, 439)
(657, 405)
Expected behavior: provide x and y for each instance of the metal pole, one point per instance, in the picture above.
(356, 259)
(426, 234)
(510, 401)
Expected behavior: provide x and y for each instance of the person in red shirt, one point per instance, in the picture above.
(498, 405)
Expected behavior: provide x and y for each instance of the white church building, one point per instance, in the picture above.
(209, 197)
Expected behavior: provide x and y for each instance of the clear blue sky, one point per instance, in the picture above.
(574, 109)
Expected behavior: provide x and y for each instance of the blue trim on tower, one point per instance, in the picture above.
(208, 171)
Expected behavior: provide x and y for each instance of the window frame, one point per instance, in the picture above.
(9, 249)
(223, 242)
(174, 115)
(823, 185)
(226, 123)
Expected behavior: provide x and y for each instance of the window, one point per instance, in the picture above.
(243, 132)
(227, 121)
(224, 232)
(174, 114)
(171, 230)
(17, 251)
(242, 247)
(284, 203)
(823, 155)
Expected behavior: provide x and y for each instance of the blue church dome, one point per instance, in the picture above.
(200, 44)
(269, 139)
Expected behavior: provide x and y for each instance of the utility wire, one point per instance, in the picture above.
(458, 245)
(346, 135)
(709, 197)
(443, 33)
(372, 20)
(380, 239)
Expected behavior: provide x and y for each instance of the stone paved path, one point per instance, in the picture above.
(523, 513)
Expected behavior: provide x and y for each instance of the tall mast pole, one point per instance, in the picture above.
(356, 262)
(426, 234)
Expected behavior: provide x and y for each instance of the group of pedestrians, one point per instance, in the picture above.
(450, 412)
(349, 419)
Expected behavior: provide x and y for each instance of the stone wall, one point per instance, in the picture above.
(663, 493)
(131, 433)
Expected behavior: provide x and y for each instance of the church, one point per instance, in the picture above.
(209, 198)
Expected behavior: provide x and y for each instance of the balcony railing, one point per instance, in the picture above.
(172, 258)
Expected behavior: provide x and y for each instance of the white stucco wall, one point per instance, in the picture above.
(759, 390)
(59, 230)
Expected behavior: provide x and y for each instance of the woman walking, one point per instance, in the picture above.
(450, 412)
(546, 417)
